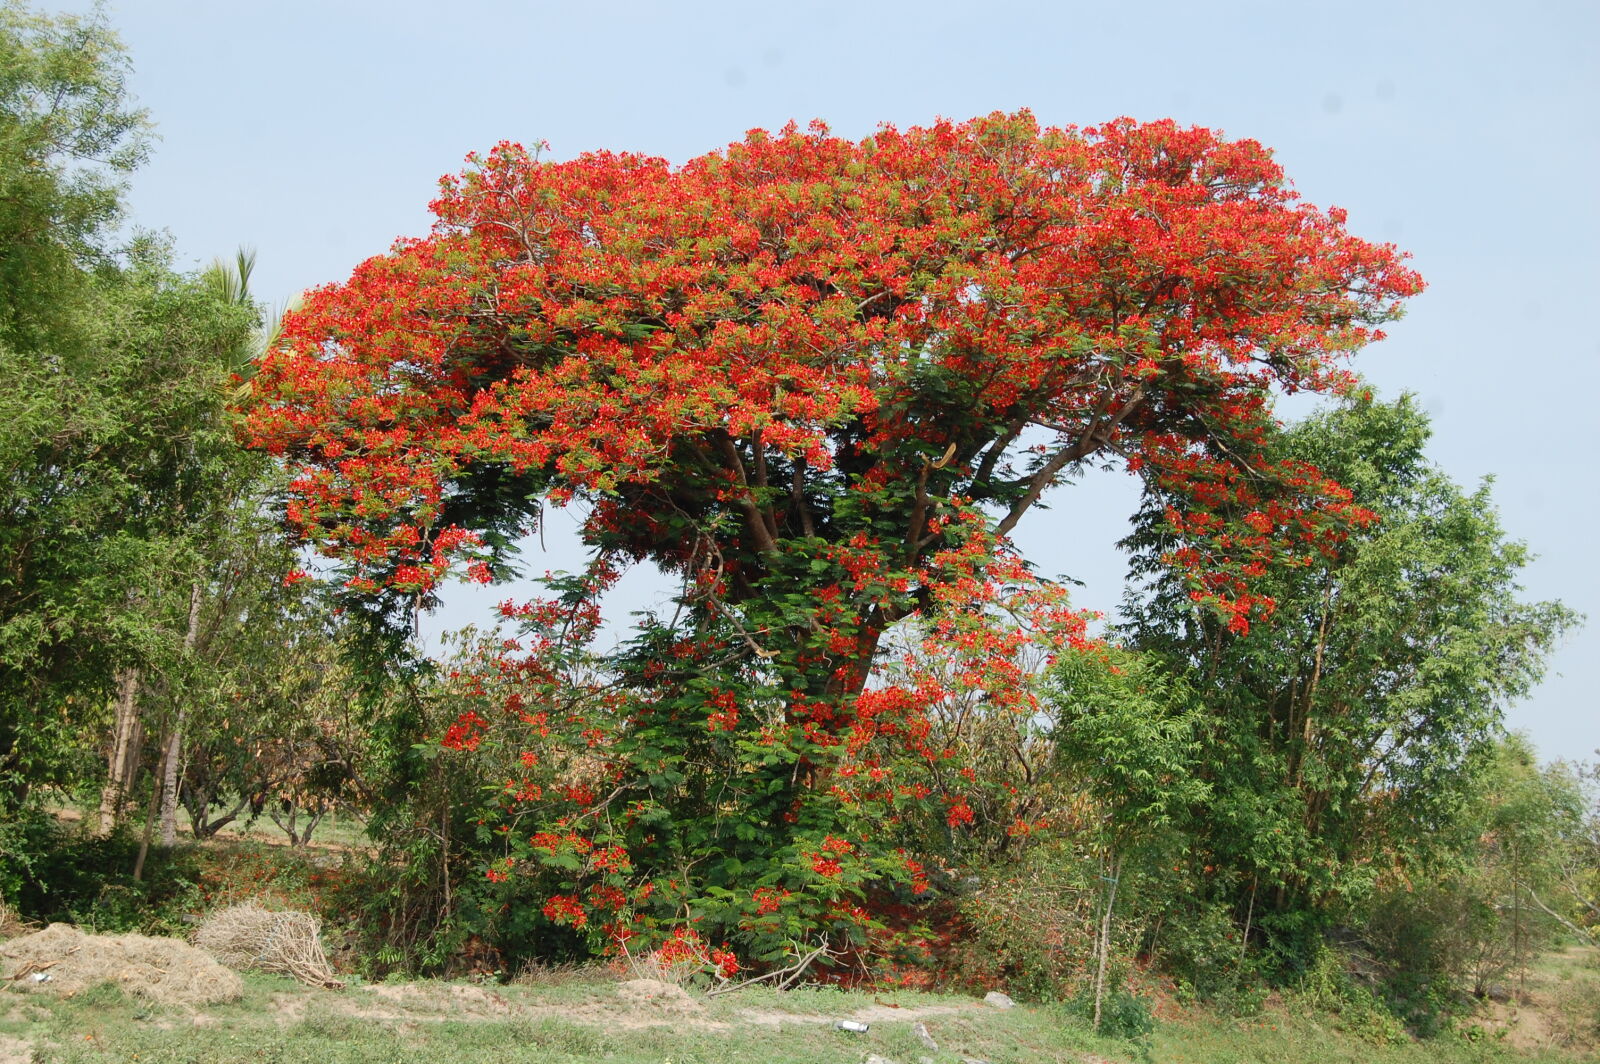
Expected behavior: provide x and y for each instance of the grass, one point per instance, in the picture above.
(1286, 1034)
(103, 1025)
(580, 1018)
(337, 831)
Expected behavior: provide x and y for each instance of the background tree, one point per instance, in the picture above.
(123, 474)
(1474, 916)
(1345, 733)
(67, 134)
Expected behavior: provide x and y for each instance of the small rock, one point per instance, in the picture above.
(921, 1031)
(998, 1000)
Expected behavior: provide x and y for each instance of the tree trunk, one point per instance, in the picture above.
(169, 783)
(122, 763)
(1105, 938)
(288, 820)
(169, 766)
(150, 819)
(198, 803)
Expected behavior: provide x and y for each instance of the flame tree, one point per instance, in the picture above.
(821, 380)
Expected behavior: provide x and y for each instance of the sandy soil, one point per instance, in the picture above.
(630, 1005)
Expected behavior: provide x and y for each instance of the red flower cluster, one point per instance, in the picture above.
(566, 909)
(769, 899)
(466, 733)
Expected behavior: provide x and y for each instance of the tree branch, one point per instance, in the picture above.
(797, 492)
(1097, 435)
(991, 457)
(1586, 934)
(760, 453)
(754, 518)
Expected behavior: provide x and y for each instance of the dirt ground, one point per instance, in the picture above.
(630, 1005)
(1553, 1007)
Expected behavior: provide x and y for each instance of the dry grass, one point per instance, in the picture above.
(1559, 1009)
(63, 960)
(248, 936)
(560, 974)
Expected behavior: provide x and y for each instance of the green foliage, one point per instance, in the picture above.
(79, 879)
(1032, 923)
(1123, 1014)
(1475, 923)
(67, 135)
(112, 467)
(1197, 944)
(1131, 736)
(25, 842)
(1343, 736)
(1129, 732)
(417, 902)
(113, 375)
(1329, 987)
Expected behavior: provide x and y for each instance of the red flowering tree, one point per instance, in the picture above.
(821, 380)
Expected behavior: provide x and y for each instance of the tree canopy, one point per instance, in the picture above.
(807, 350)
(821, 381)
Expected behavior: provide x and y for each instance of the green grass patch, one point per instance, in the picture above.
(582, 1016)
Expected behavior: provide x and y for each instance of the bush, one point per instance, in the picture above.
(1431, 938)
(1123, 1014)
(24, 840)
(1329, 987)
(1032, 923)
(1198, 945)
(72, 877)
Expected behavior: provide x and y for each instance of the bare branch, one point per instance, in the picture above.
(787, 976)
(1097, 435)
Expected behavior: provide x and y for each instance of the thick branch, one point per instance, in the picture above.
(797, 490)
(919, 514)
(1044, 478)
(1097, 435)
(752, 512)
(1586, 934)
(760, 453)
(991, 458)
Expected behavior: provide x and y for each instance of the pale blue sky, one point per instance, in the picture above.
(1465, 132)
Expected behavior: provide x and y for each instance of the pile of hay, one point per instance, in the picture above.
(250, 936)
(63, 960)
(656, 995)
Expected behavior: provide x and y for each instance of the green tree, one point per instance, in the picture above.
(1344, 732)
(68, 135)
(1130, 734)
(114, 371)
(1547, 824)
(1479, 914)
